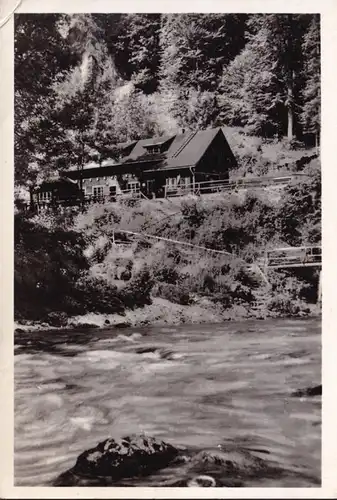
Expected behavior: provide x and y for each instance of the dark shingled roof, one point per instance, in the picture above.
(184, 150)
(179, 151)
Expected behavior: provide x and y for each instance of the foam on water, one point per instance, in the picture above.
(198, 386)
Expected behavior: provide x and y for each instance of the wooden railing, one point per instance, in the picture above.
(288, 257)
(220, 185)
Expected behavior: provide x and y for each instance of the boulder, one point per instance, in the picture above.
(57, 319)
(122, 325)
(202, 482)
(309, 391)
(112, 460)
(230, 461)
(83, 326)
(127, 461)
(19, 330)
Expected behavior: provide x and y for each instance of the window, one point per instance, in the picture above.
(45, 196)
(97, 191)
(153, 149)
(133, 186)
(112, 190)
(185, 181)
(172, 182)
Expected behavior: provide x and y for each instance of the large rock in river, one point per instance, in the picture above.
(113, 459)
(126, 461)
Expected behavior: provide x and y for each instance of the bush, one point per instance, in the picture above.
(283, 305)
(166, 274)
(95, 295)
(137, 293)
(47, 264)
(174, 293)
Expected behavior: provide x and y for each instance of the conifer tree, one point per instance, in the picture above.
(312, 75)
(264, 81)
(195, 48)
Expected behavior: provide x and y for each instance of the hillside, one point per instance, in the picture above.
(109, 279)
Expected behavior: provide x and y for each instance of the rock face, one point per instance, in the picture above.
(112, 460)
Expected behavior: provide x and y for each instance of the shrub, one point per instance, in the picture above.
(177, 294)
(166, 273)
(95, 295)
(47, 264)
(137, 292)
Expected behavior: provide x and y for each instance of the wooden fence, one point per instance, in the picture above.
(221, 185)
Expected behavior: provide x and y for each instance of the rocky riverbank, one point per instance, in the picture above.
(160, 312)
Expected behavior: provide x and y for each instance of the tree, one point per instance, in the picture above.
(41, 58)
(250, 94)
(264, 81)
(312, 90)
(195, 48)
(143, 44)
(85, 92)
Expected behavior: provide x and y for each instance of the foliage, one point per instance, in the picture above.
(137, 292)
(44, 275)
(85, 82)
(299, 215)
(41, 58)
(177, 294)
(312, 74)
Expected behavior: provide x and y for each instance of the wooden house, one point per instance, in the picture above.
(157, 166)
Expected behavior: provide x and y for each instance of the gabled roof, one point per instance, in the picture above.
(187, 149)
(179, 151)
(184, 150)
(140, 148)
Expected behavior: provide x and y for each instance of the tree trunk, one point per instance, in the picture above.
(290, 105)
(290, 113)
(81, 177)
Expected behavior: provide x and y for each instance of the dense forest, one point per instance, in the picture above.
(86, 82)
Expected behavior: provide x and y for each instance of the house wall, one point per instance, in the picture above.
(49, 191)
(120, 182)
(217, 159)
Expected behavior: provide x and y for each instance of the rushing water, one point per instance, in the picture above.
(190, 385)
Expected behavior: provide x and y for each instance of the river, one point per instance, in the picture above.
(193, 385)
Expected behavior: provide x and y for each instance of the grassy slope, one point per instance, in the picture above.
(195, 285)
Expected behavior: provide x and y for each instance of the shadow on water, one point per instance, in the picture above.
(199, 386)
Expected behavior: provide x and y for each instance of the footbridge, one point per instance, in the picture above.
(292, 257)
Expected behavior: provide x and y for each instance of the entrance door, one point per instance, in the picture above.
(150, 188)
(112, 192)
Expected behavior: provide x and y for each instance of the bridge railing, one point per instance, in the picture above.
(292, 256)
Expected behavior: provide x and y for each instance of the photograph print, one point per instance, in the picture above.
(167, 250)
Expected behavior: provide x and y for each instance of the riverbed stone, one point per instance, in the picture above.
(19, 330)
(309, 391)
(123, 325)
(57, 319)
(231, 461)
(114, 459)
